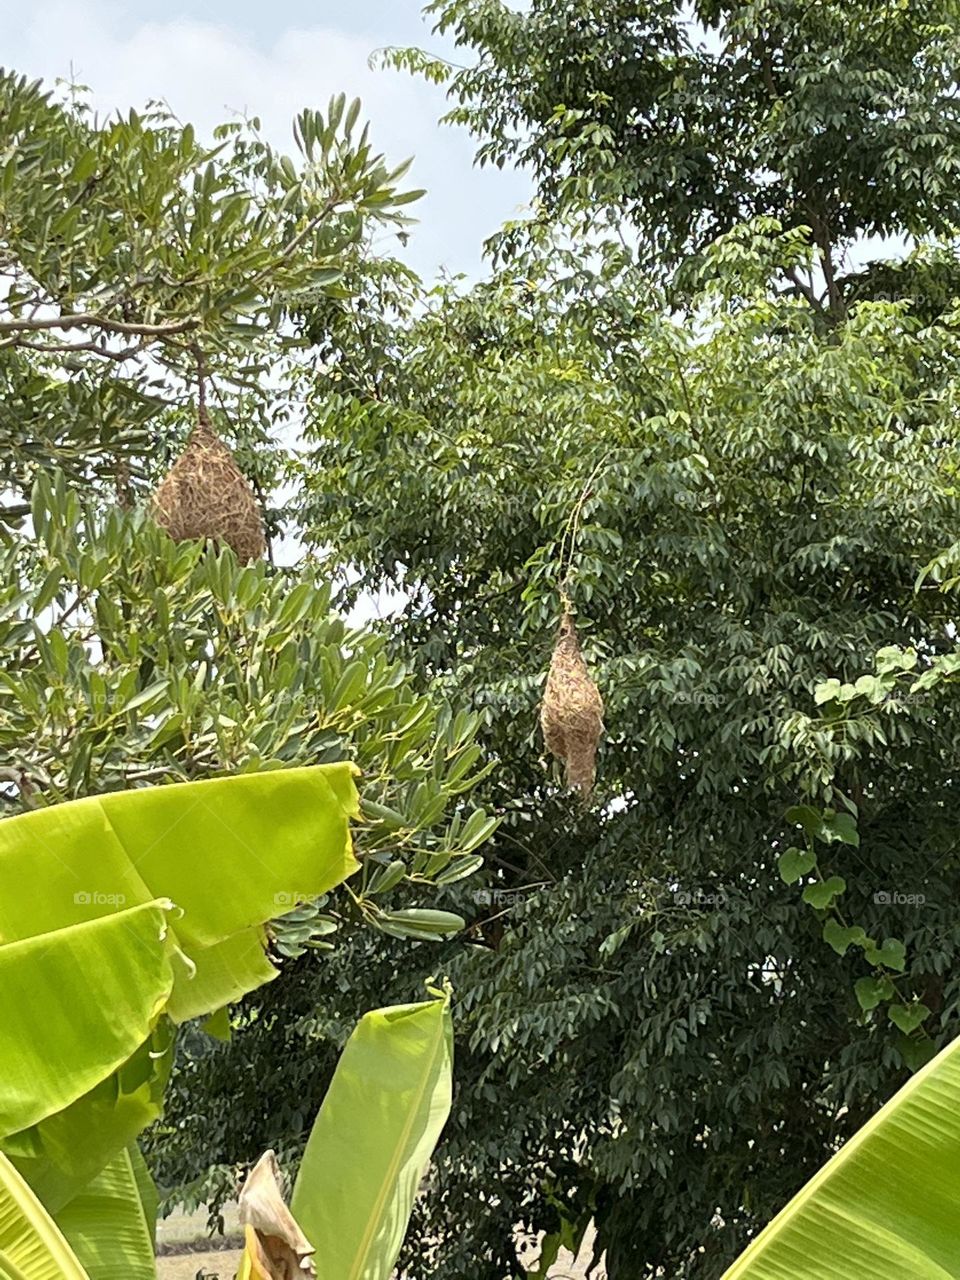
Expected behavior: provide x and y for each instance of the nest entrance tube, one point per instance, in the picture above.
(571, 714)
(206, 495)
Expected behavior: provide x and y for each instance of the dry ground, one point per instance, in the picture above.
(223, 1265)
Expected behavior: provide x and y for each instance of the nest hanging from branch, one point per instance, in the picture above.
(572, 711)
(206, 495)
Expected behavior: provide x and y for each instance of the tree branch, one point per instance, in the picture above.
(70, 348)
(82, 320)
(805, 289)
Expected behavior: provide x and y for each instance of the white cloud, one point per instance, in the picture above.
(208, 72)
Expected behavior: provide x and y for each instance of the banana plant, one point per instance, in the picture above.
(380, 1120)
(153, 910)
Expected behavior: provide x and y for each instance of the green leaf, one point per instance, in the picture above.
(85, 166)
(420, 922)
(146, 1188)
(380, 1120)
(478, 829)
(224, 851)
(387, 878)
(823, 893)
(218, 1025)
(107, 1225)
(143, 696)
(916, 1052)
(110, 976)
(31, 1245)
(49, 588)
(892, 954)
(885, 1205)
(381, 813)
(842, 939)
(804, 815)
(224, 848)
(893, 658)
(794, 863)
(59, 1156)
(460, 868)
(908, 1016)
(842, 828)
(826, 692)
(873, 991)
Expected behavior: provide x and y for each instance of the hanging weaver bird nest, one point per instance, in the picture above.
(206, 495)
(572, 711)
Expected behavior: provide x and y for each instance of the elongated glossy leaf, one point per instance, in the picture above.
(75, 1005)
(31, 1245)
(383, 1113)
(887, 1205)
(107, 1227)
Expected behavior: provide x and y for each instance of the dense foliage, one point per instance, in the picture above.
(689, 119)
(137, 259)
(134, 253)
(738, 509)
(735, 462)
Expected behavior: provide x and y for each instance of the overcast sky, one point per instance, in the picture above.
(212, 59)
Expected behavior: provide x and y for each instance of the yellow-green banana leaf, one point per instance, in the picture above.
(107, 1225)
(31, 1245)
(74, 1005)
(231, 853)
(60, 1155)
(380, 1120)
(84, 975)
(887, 1205)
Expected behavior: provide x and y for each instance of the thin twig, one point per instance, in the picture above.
(568, 542)
(72, 348)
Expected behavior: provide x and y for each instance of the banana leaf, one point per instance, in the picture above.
(110, 1117)
(380, 1120)
(31, 1245)
(229, 852)
(74, 1005)
(107, 1225)
(146, 1189)
(82, 986)
(887, 1205)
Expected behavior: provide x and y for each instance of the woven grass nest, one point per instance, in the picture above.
(571, 714)
(206, 495)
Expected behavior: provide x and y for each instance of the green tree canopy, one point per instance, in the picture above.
(135, 253)
(140, 258)
(689, 119)
(739, 508)
(658, 1031)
